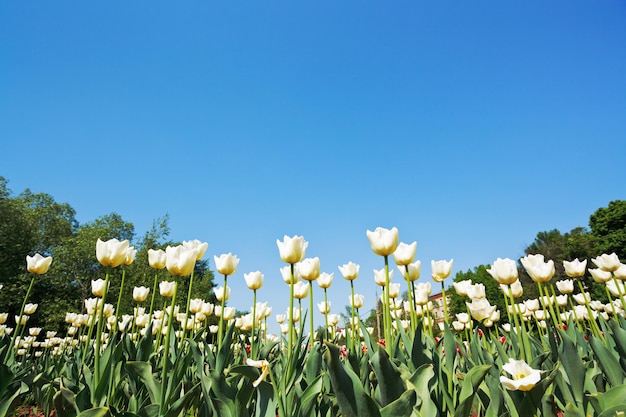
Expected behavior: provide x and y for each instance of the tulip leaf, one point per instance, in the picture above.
(607, 361)
(265, 406)
(310, 394)
(418, 348)
(351, 398)
(573, 367)
(470, 384)
(572, 410)
(96, 412)
(403, 406)
(390, 382)
(143, 371)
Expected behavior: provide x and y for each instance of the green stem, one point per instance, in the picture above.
(220, 331)
(166, 352)
(386, 308)
(411, 303)
(326, 315)
(154, 290)
(182, 339)
(253, 339)
(352, 344)
(291, 324)
(100, 325)
(19, 321)
(311, 330)
(119, 297)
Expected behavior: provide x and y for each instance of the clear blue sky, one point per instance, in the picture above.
(470, 126)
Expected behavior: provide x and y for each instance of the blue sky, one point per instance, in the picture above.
(470, 126)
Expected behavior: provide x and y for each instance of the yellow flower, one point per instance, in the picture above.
(38, 264)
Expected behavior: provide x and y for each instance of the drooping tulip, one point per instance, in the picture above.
(292, 249)
(38, 264)
(383, 241)
(112, 252)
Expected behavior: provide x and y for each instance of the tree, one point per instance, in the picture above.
(608, 228)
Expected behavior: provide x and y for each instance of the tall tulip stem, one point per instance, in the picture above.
(19, 321)
(182, 339)
(220, 331)
(166, 352)
(100, 325)
(352, 315)
(291, 324)
(387, 309)
(312, 329)
(119, 297)
(253, 340)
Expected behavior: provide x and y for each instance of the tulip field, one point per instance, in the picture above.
(561, 354)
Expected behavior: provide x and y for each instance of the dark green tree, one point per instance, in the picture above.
(608, 229)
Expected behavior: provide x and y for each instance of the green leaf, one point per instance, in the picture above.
(390, 382)
(470, 384)
(573, 366)
(351, 398)
(607, 361)
(143, 371)
(96, 412)
(403, 406)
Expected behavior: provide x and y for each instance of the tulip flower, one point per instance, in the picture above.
(309, 268)
(166, 288)
(288, 276)
(357, 301)
(325, 280)
(380, 277)
(324, 307)
(38, 264)
(461, 287)
(394, 290)
(254, 280)
(383, 241)
(112, 252)
(606, 262)
(350, 271)
(97, 287)
(301, 290)
(480, 309)
(292, 249)
(600, 275)
(180, 261)
(620, 273)
(441, 269)
(539, 270)
(198, 246)
(565, 286)
(140, 293)
(130, 255)
(524, 378)
(504, 271)
(221, 294)
(575, 268)
(226, 264)
(157, 258)
(476, 291)
(30, 308)
(404, 253)
(412, 270)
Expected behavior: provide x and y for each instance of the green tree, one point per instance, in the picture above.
(608, 229)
